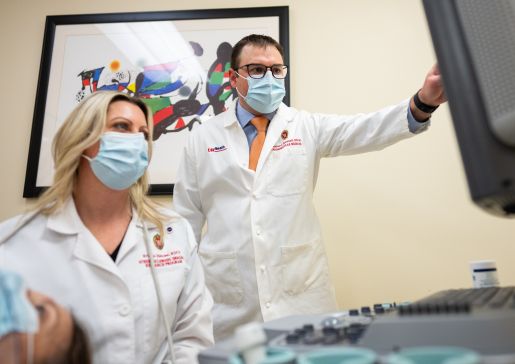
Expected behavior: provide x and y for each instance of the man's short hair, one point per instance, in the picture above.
(257, 40)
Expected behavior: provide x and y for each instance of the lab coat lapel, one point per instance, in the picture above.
(275, 128)
(87, 248)
(132, 237)
(238, 145)
(235, 136)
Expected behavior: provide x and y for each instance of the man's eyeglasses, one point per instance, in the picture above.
(259, 70)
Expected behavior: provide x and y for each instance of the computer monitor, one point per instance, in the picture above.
(474, 41)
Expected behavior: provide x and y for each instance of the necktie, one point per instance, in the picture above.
(260, 123)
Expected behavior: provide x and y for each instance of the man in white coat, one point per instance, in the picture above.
(262, 252)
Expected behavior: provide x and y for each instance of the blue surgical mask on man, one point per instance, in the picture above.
(264, 94)
(17, 314)
(121, 160)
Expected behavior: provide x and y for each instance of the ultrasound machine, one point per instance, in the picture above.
(474, 41)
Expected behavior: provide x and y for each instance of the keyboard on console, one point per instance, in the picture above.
(467, 299)
(482, 319)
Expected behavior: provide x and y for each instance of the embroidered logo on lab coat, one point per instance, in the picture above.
(163, 259)
(284, 134)
(287, 143)
(221, 148)
(158, 242)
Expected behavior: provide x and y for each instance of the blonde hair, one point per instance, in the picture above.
(81, 129)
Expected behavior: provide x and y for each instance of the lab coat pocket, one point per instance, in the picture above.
(287, 171)
(303, 267)
(222, 276)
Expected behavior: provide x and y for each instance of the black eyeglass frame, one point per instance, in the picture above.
(284, 66)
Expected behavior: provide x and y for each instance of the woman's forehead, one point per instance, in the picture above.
(126, 110)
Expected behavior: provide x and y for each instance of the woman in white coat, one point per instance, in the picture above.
(126, 268)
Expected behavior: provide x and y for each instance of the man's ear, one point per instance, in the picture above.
(232, 77)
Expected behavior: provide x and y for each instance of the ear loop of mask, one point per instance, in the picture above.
(238, 91)
(30, 348)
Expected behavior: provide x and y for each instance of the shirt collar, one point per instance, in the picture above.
(244, 117)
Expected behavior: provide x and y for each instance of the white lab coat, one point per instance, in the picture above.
(116, 302)
(263, 253)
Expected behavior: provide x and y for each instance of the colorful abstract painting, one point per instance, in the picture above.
(177, 99)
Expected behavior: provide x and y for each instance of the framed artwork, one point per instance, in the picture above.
(176, 61)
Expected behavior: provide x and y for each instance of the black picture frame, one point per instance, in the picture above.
(39, 162)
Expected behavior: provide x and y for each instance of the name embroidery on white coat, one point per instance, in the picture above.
(287, 143)
(216, 149)
(163, 259)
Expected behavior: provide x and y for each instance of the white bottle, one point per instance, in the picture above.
(484, 273)
(250, 341)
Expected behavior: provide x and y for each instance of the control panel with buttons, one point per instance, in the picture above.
(341, 328)
(480, 319)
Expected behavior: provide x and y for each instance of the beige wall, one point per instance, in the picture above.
(399, 223)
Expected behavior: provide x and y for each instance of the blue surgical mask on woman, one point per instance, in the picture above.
(17, 314)
(121, 160)
(264, 94)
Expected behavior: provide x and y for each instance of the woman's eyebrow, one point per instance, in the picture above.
(122, 118)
